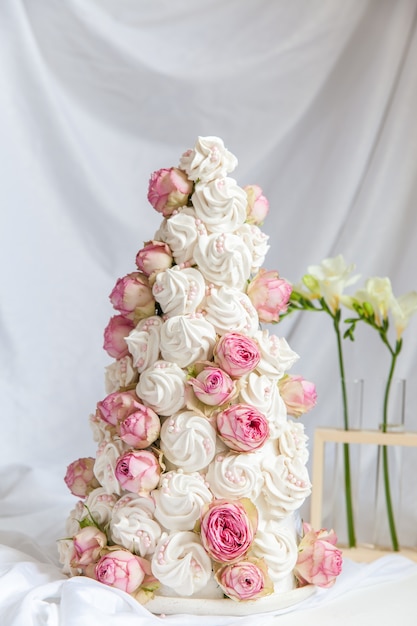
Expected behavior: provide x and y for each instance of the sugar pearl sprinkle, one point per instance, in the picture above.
(296, 482)
(220, 243)
(200, 227)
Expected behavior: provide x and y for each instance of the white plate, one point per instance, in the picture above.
(205, 606)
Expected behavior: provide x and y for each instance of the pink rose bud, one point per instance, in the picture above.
(298, 394)
(123, 570)
(213, 386)
(155, 257)
(258, 205)
(228, 528)
(140, 428)
(243, 428)
(80, 478)
(88, 543)
(169, 189)
(132, 296)
(117, 406)
(115, 333)
(245, 580)
(236, 354)
(269, 294)
(319, 560)
(138, 471)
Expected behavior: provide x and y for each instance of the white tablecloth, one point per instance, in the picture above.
(34, 592)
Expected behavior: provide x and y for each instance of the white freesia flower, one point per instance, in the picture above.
(402, 308)
(378, 293)
(329, 279)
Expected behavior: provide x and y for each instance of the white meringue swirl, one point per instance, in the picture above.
(220, 204)
(143, 342)
(181, 232)
(179, 291)
(209, 159)
(179, 499)
(233, 475)
(276, 355)
(188, 441)
(223, 259)
(181, 563)
(162, 387)
(286, 484)
(293, 441)
(132, 525)
(186, 339)
(257, 242)
(230, 310)
(262, 392)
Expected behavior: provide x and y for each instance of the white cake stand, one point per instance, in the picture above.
(224, 606)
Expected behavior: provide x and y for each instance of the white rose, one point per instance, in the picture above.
(276, 355)
(143, 342)
(228, 309)
(105, 465)
(220, 204)
(188, 441)
(233, 475)
(257, 242)
(181, 232)
(179, 499)
(261, 392)
(223, 259)
(286, 484)
(208, 160)
(132, 525)
(179, 291)
(120, 373)
(162, 387)
(186, 339)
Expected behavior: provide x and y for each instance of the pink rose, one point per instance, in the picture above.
(298, 394)
(236, 354)
(155, 257)
(115, 333)
(169, 189)
(117, 406)
(138, 471)
(228, 528)
(80, 478)
(123, 570)
(132, 296)
(245, 580)
(269, 294)
(258, 205)
(140, 428)
(243, 428)
(213, 386)
(319, 561)
(88, 543)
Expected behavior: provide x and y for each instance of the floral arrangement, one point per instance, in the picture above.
(322, 289)
(199, 468)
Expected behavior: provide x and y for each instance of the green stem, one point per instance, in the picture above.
(346, 451)
(385, 467)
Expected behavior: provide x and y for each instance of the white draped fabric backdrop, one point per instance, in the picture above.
(316, 98)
